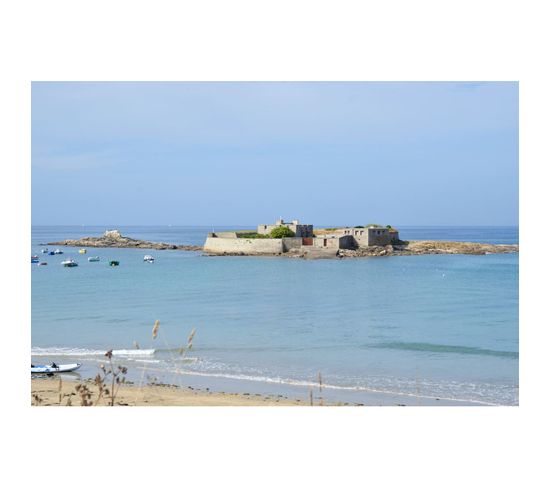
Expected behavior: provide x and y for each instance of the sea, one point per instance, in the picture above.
(397, 330)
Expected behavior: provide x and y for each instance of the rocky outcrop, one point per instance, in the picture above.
(409, 248)
(113, 238)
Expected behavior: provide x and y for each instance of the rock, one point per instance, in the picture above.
(113, 238)
(408, 248)
(113, 234)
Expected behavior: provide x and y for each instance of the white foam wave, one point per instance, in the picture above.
(67, 351)
(313, 384)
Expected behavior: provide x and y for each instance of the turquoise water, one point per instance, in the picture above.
(427, 326)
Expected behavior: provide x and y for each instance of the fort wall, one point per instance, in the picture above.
(291, 243)
(230, 245)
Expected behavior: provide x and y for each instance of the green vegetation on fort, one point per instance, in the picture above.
(280, 232)
(277, 233)
(252, 235)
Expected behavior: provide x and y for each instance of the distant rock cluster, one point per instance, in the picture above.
(409, 248)
(113, 238)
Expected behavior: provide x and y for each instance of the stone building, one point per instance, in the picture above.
(372, 235)
(300, 230)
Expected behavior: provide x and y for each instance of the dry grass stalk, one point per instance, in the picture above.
(115, 375)
(185, 349)
(60, 390)
(156, 328)
(85, 395)
(310, 396)
(320, 388)
(118, 377)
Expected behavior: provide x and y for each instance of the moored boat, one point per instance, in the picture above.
(69, 263)
(93, 259)
(113, 263)
(148, 258)
(44, 251)
(58, 251)
(54, 368)
(82, 251)
(42, 263)
(34, 259)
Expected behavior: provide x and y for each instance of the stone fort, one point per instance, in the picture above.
(305, 239)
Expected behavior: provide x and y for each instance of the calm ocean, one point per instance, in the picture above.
(423, 327)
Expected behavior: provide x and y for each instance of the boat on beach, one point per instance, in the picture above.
(54, 368)
(93, 259)
(69, 263)
(148, 258)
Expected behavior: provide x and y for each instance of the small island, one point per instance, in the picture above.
(295, 240)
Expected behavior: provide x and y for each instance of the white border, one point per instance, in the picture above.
(253, 40)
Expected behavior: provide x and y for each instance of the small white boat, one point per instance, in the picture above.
(45, 251)
(148, 258)
(69, 263)
(54, 368)
(93, 259)
(58, 251)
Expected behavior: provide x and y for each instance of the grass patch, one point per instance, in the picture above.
(252, 235)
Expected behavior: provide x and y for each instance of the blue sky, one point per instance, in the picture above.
(350, 153)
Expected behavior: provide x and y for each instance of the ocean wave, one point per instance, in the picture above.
(67, 351)
(329, 386)
(442, 348)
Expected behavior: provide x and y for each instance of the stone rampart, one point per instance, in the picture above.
(216, 245)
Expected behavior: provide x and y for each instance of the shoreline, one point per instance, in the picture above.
(228, 393)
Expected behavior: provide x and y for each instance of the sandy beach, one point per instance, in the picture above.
(47, 392)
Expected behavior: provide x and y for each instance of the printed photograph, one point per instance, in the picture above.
(316, 244)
